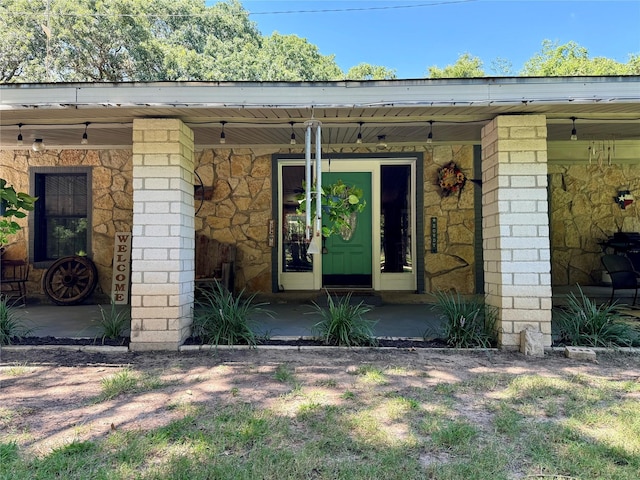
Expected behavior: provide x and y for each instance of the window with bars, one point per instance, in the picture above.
(61, 217)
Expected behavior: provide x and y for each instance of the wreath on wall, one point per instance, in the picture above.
(451, 179)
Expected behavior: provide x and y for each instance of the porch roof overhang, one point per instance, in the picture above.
(260, 114)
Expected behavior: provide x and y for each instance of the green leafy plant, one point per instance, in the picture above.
(12, 205)
(343, 323)
(11, 322)
(469, 321)
(339, 201)
(583, 323)
(113, 322)
(222, 318)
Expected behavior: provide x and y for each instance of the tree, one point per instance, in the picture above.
(291, 58)
(571, 59)
(465, 67)
(147, 40)
(366, 71)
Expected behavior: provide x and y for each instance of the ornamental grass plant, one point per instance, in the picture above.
(584, 323)
(114, 322)
(469, 321)
(220, 318)
(343, 323)
(12, 325)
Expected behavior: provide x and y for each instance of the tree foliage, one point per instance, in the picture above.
(146, 40)
(466, 66)
(366, 71)
(182, 40)
(572, 59)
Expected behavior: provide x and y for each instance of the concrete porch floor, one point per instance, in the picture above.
(398, 314)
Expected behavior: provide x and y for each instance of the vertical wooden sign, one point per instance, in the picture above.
(121, 268)
(272, 233)
(434, 234)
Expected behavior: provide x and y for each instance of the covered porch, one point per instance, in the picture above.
(516, 232)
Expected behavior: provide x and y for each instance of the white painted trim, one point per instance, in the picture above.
(380, 281)
(424, 92)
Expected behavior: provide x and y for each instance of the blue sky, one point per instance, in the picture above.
(436, 32)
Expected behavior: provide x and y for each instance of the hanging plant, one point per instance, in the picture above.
(451, 179)
(340, 203)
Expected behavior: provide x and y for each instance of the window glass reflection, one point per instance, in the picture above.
(395, 221)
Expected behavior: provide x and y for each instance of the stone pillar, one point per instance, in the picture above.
(162, 256)
(515, 225)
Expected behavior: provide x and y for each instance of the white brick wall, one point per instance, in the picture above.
(163, 243)
(516, 225)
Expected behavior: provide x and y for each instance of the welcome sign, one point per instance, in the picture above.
(121, 268)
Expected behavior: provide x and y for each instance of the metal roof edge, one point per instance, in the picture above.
(374, 93)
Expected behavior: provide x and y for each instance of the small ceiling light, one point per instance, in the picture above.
(382, 144)
(430, 136)
(38, 145)
(574, 132)
(85, 137)
(359, 138)
(20, 141)
(293, 135)
(223, 137)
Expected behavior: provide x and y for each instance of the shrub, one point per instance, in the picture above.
(113, 322)
(11, 322)
(583, 323)
(220, 318)
(343, 323)
(469, 321)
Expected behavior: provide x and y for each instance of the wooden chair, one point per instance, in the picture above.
(215, 262)
(623, 276)
(13, 279)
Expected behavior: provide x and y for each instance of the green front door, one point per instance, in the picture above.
(347, 263)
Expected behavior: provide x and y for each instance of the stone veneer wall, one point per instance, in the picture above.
(112, 200)
(453, 266)
(583, 212)
(240, 210)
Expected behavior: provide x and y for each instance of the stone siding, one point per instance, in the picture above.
(112, 201)
(453, 266)
(583, 213)
(240, 209)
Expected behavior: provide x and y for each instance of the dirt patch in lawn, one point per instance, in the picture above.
(53, 397)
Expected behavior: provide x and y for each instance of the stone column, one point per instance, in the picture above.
(162, 256)
(515, 225)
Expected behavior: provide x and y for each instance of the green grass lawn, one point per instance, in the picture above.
(387, 418)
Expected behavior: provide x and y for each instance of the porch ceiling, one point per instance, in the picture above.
(259, 114)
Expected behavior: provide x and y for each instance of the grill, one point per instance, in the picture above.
(625, 243)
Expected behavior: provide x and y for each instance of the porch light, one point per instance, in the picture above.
(20, 142)
(359, 138)
(382, 144)
(223, 138)
(574, 132)
(85, 137)
(293, 135)
(38, 145)
(430, 136)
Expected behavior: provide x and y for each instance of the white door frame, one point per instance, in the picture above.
(380, 281)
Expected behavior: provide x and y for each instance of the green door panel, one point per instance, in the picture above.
(348, 262)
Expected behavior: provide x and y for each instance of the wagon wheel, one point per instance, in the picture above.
(70, 280)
